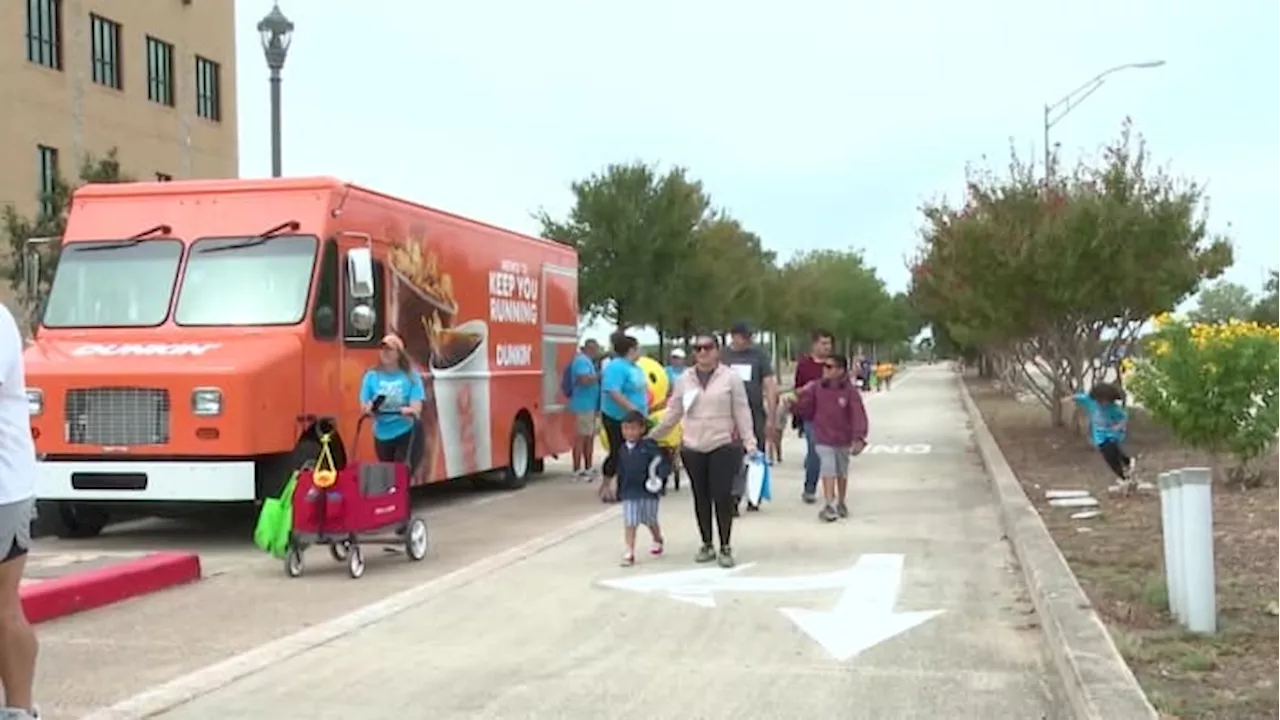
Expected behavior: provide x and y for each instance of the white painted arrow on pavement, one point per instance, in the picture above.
(863, 617)
(698, 587)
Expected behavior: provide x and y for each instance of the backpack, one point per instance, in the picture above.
(567, 380)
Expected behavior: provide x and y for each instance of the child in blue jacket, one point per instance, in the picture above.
(1108, 426)
(642, 470)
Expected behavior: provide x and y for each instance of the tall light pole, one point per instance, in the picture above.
(1055, 112)
(276, 31)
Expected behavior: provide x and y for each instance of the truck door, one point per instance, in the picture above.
(559, 343)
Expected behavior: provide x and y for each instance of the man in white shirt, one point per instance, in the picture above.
(18, 646)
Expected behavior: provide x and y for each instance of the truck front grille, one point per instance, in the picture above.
(117, 416)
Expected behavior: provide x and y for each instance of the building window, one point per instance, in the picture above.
(47, 177)
(105, 51)
(159, 71)
(208, 89)
(44, 33)
(162, 177)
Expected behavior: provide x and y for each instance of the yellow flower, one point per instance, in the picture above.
(1161, 320)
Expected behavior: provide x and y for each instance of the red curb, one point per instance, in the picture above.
(77, 592)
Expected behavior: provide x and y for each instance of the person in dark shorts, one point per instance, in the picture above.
(756, 370)
(397, 435)
(18, 470)
(642, 469)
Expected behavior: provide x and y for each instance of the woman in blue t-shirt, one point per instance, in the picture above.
(623, 390)
(397, 434)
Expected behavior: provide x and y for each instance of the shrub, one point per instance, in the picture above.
(1214, 386)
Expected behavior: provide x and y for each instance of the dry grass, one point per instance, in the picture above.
(1231, 676)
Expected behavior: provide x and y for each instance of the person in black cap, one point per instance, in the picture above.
(756, 370)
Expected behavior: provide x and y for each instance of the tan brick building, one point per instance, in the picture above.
(155, 79)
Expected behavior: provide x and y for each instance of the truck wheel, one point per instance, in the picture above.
(517, 473)
(70, 520)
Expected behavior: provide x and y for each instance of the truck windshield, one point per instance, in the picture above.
(247, 281)
(113, 284)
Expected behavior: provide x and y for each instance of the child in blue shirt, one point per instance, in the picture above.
(1108, 426)
(642, 468)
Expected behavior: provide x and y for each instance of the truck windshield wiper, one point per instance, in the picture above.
(291, 226)
(130, 241)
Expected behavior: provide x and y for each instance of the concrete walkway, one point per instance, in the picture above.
(812, 624)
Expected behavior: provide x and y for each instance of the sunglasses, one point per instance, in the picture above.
(704, 347)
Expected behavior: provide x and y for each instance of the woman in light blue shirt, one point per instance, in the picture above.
(623, 389)
(397, 435)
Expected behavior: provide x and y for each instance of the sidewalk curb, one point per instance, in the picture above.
(77, 592)
(186, 688)
(1096, 681)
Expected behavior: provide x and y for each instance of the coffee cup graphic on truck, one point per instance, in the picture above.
(460, 367)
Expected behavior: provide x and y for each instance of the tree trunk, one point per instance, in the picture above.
(662, 341)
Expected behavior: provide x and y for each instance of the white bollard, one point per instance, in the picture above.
(1199, 582)
(1170, 532)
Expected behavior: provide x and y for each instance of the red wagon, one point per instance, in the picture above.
(364, 502)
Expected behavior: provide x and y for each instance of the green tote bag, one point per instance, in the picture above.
(275, 521)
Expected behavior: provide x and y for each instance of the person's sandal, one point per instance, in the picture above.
(656, 549)
(628, 559)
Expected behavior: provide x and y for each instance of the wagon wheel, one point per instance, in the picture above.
(355, 562)
(293, 561)
(340, 550)
(415, 543)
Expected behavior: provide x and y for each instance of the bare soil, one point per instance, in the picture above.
(1118, 560)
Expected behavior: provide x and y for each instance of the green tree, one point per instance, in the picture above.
(836, 290)
(1223, 301)
(1266, 310)
(1049, 279)
(723, 278)
(631, 227)
(50, 221)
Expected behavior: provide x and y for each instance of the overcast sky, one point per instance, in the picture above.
(818, 123)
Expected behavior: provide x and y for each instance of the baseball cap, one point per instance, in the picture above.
(677, 353)
(740, 328)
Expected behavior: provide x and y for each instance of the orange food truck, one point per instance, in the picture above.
(199, 336)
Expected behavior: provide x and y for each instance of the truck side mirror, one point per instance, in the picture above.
(362, 319)
(31, 274)
(326, 322)
(360, 273)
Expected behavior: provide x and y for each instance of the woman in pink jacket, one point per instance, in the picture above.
(711, 402)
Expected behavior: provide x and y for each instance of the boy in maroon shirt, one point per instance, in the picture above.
(838, 422)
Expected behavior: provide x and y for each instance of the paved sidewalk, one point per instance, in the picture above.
(812, 624)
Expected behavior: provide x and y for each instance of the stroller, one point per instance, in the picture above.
(365, 502)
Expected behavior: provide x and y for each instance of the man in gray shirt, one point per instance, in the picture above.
(756, 370)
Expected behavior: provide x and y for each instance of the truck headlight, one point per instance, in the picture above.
(206, 401)
(35, 402)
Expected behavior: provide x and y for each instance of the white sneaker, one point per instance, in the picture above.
(9, 713)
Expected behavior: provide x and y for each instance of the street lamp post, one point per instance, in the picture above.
(276, 31)
(1055, 112)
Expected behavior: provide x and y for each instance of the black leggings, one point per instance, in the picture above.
(613, 431)
(405, 448)
(1116, 458)
(711, 476)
